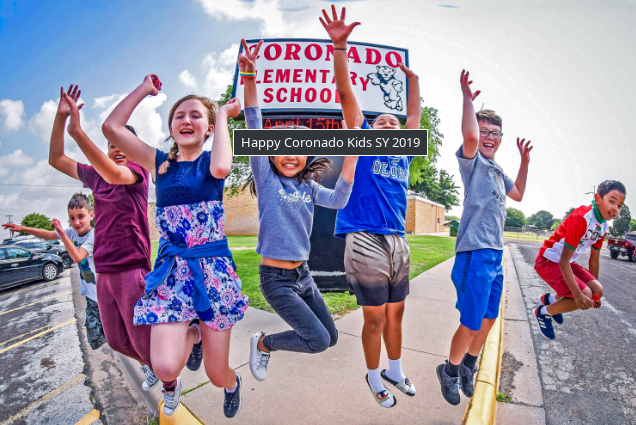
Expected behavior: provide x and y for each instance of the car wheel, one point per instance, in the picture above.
(49, 272)
(614, 254)
(67, 260)
(630, 256)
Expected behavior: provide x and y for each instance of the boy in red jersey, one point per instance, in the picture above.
(575, 287)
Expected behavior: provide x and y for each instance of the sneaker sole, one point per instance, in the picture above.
(394, 383)
(439, 378)
(534, 313)
(148, 388)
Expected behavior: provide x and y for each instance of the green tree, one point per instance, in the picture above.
(37, 220)
(451, 218)
(568, 212)
(632, 225)
(541, 219)
(555, 223)
(621, 223)
(515, 218)
(439, 187)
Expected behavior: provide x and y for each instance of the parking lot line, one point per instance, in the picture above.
(89, 419)
(17, 344)
(29, 289)
(26, 305)
(35, 330)
(27, 409)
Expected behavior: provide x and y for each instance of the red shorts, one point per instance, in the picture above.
(551, 273)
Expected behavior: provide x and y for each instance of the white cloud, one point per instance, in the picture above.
(266, 11)
(188, 80)
(12, 112)
(16, 159)
(219, 70)
(145, 119)
(41, 123)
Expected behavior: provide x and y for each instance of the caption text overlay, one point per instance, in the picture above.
(259, 142)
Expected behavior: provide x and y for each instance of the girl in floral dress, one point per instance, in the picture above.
(194, 277)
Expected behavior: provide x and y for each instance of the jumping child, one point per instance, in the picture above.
(287, 188)
(122, 236)
(194, 276)
(478, 273)
(79, 241)
(575, 286)
(373, 223)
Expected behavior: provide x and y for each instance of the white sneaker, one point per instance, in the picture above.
(258, 359)
(172, 399)
(150, 380)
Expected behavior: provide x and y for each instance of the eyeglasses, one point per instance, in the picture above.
(495, 134)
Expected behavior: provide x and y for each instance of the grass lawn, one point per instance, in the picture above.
(426, 252)
(527, 236)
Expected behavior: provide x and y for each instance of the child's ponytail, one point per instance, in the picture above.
(174, 151)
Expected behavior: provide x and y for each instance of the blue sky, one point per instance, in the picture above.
(557, 74)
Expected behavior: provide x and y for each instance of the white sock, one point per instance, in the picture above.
(544, 310)
(552, 299)
(232, 390)
(395, 370)
(375, 380)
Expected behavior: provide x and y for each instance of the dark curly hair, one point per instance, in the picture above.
(608, 185)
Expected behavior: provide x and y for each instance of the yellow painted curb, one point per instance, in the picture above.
(182, 416)
(482, 409)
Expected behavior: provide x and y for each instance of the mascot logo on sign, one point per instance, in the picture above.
(390, 86)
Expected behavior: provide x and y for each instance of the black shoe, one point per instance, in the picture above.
(196, 356)
(467, 379)
(232, 403)
(450, 386)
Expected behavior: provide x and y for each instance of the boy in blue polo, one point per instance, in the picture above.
(478, 273)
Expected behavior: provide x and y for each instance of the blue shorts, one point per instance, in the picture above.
(478, 279)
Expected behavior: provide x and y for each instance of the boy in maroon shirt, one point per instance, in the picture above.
(122, 238)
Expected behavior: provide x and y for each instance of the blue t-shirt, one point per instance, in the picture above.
(378, 200)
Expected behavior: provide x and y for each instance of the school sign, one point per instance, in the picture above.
(295, 78)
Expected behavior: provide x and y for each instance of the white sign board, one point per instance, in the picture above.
(295, 76)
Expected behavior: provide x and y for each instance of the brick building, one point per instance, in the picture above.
(241, 215)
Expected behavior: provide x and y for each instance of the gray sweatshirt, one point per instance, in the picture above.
(286, 205)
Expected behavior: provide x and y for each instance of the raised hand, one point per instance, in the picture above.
(55, 224)
(336, 28)
(13, 227)
(232, 108)
(407, 72)
(524, 150)
(465, 83)
(356, 125)
(247, 60)
(64, 108)
(152, 84)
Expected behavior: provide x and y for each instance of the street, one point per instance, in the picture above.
(587, 373)
(42, 378)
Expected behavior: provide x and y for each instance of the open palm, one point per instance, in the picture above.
(336, 28)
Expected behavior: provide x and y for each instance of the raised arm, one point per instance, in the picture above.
(247, 63)
(516, 193)
(115, 130)
(413, 110)
(57, 157)
(40, 233)
(111, 172)
(339, 33)
(470, 126)
(221, 155)
(77, 254)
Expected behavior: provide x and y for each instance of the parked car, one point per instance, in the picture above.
(623, 246)
(33, 243)
(19, 266)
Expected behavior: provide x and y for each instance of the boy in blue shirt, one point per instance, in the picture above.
(478, 272)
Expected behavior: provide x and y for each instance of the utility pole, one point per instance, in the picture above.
(8, 216)
(593, 192)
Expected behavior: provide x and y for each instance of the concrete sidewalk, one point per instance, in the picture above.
(330, 387)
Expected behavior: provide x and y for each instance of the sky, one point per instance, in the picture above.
(558, 74)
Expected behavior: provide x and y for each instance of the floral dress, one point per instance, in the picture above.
(198, 223)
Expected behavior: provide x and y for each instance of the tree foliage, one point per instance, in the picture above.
(568, 212)
(632, 225)
(555, 223)
(541, 219)
(37, 220)
(621, 223)
(451, 218)
(515, 218)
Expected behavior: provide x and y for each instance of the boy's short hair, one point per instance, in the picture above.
(129, 128)
(608, 185)
(79, 200)
(489, 116)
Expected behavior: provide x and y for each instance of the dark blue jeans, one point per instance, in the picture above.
(294, 296)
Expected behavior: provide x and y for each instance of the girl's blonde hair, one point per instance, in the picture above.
(174, 150)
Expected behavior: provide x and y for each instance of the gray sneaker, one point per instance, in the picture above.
(467, 379)
(450, 386)
(172, 399)
(258, 359)
(150, 379)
